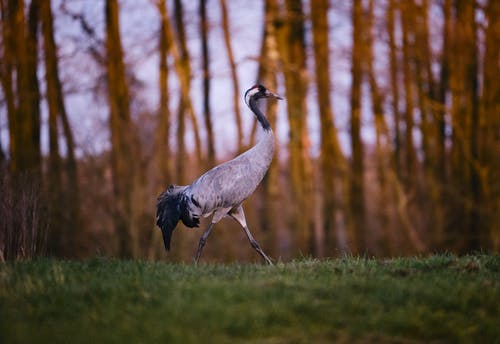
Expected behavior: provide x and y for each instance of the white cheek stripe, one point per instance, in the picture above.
(251, 93)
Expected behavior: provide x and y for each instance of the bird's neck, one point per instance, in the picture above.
(260, 116)
(264, 149)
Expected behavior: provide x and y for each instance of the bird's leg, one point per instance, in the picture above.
(202, 242)
(238, 214)
(256, 245)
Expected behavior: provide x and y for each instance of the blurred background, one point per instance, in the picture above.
(388, 142)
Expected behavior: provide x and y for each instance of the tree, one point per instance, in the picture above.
(394, 69)
(266, 74)
(234, 74)
(291, 43)
(410, 151)
(442, 89)
(429, 107)
(332, 163)
(489, 127)
(24, 224)
(183, 70)
(68, 220)
(382, 139)
(465, 118)
(204, 28)
(356, 185)
(121, 131)
(20, 84)
(8, 67)
(163, 151)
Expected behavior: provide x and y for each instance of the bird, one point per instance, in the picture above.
(220, 192)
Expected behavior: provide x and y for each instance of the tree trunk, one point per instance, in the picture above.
(464, 89)
(410, 152)
(179, 51)
(8, 67)
(431, 190)
(422, 81)
(394, 69)
(32, 124)
(444, 84)
(68, 193)
(332, 161)
(22, 230)
(292, 47)
(271, 225)
(234, 74)
(382, 139)
(443, 89)
(121, 131)
(489, 132)
(24, 121)
(204, 28)
(163, 152)
(356, 197)
(56, 235)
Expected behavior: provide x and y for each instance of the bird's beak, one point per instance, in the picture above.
(270, 94)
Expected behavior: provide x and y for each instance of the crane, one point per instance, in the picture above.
(221, 191)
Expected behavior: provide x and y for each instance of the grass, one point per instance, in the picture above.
(351, 300)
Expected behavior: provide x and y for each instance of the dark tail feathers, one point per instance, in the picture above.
(168, 211)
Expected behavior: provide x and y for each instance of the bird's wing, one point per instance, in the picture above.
(223, 186)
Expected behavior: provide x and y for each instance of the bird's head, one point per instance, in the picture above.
(257, 92)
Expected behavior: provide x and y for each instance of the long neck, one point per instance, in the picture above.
(260, 116)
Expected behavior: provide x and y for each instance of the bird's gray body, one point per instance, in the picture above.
(229, 184)
(221, 190)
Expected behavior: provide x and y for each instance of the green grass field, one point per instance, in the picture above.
(351, 300)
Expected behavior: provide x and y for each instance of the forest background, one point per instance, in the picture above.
(388, 142)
